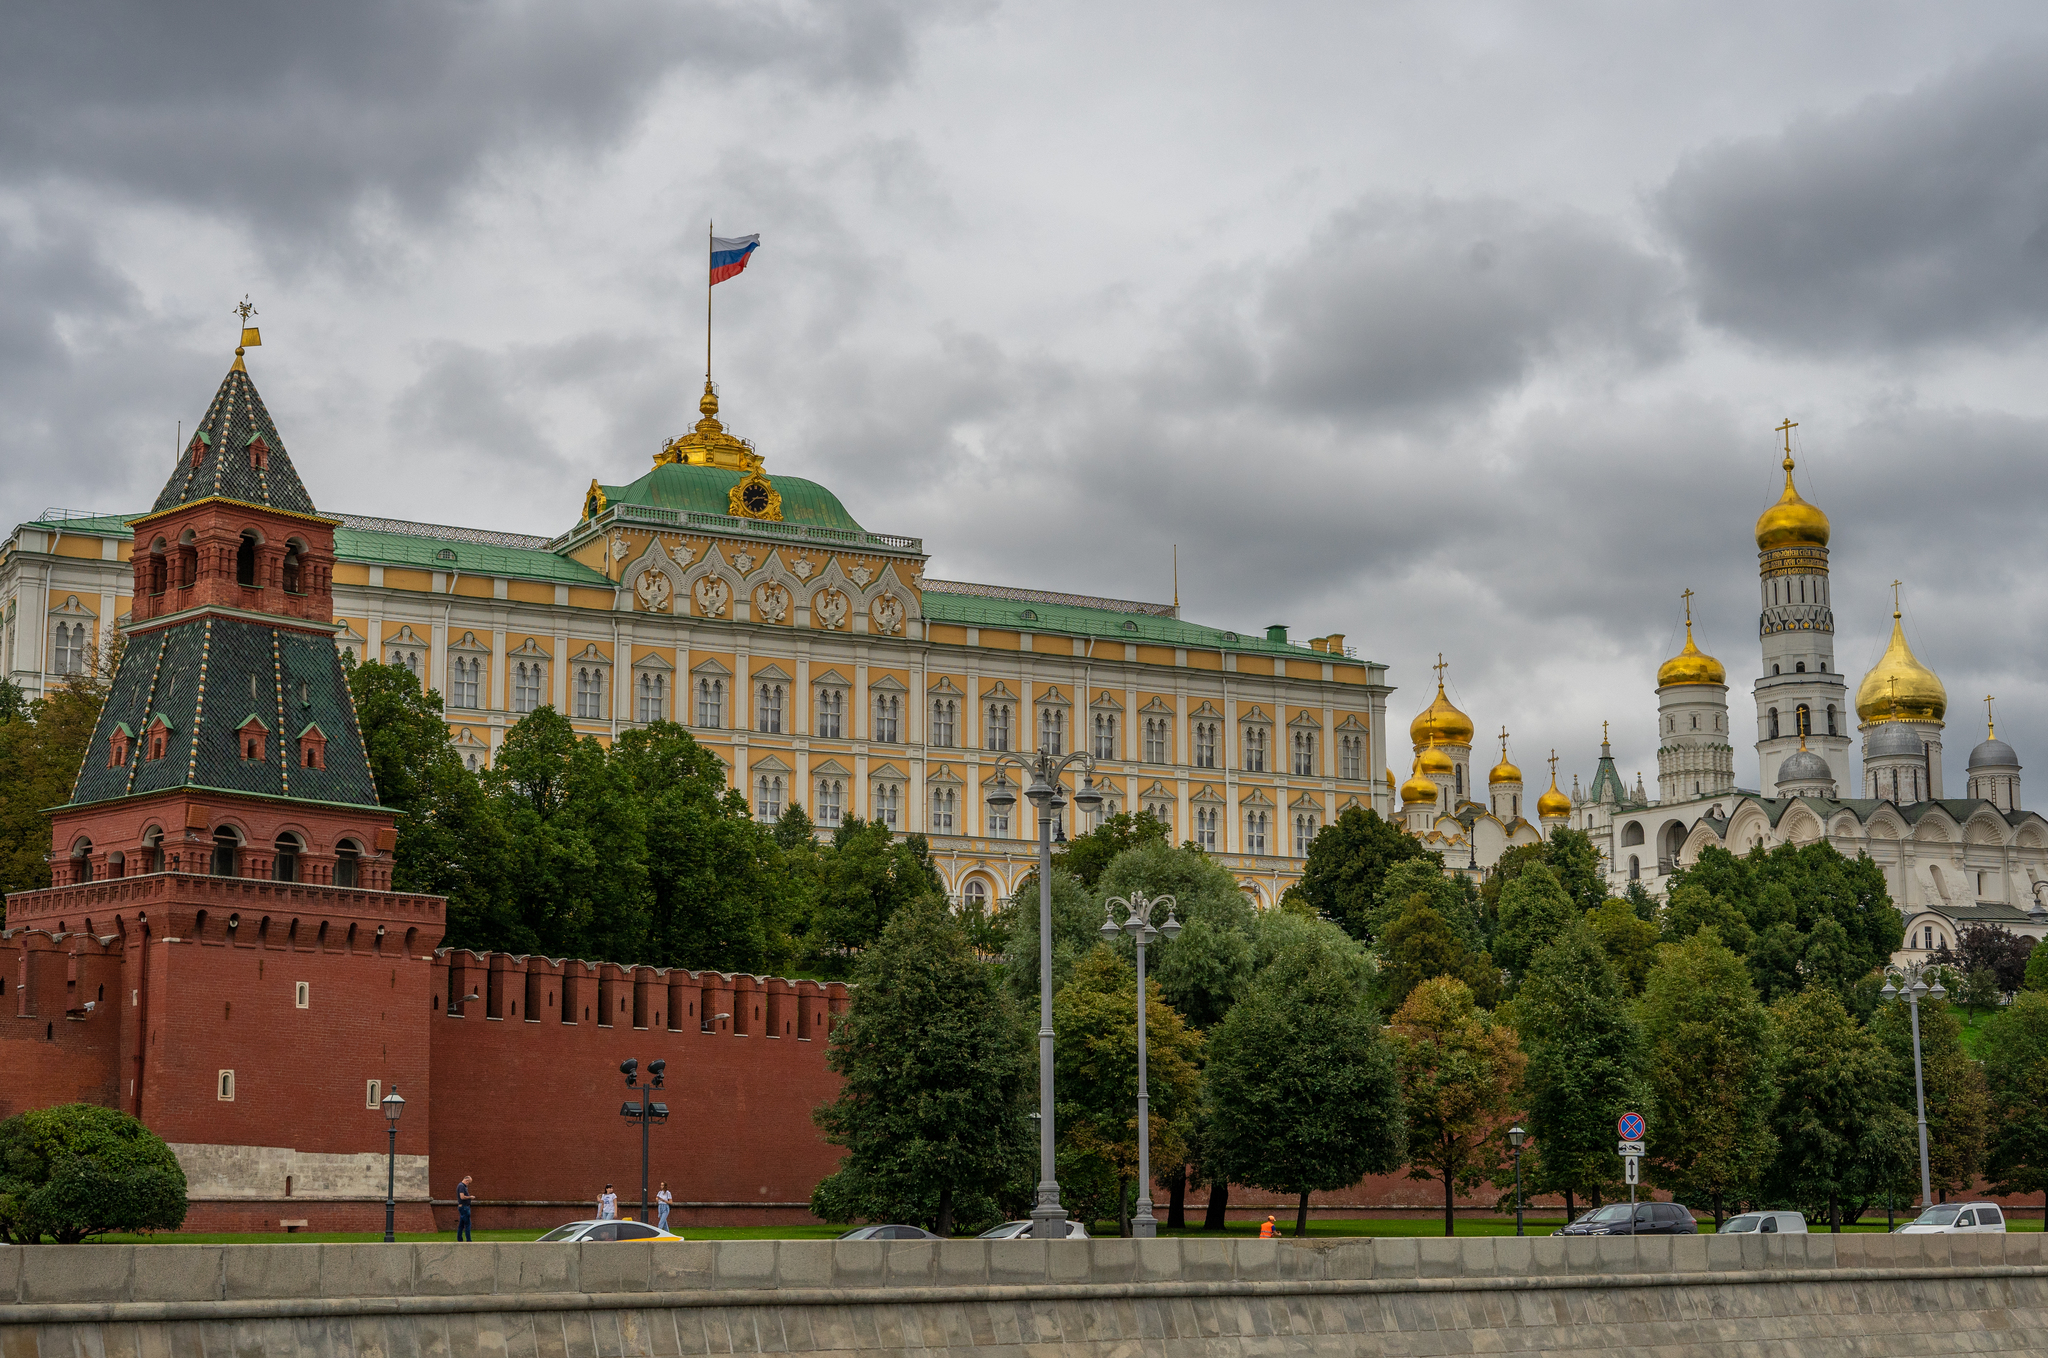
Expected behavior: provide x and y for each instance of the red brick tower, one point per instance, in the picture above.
(224, 838)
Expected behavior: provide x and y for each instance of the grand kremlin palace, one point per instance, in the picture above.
(814, 656)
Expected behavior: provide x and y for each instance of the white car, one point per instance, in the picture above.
(1951, 1218)
(584, 1231)
(1766, 1223)
(1018, 1230)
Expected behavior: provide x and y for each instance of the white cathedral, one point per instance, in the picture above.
(1949, 861)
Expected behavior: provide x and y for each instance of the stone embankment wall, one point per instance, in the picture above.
(1807, 1295)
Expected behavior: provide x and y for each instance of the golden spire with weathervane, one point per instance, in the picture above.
(252, 337)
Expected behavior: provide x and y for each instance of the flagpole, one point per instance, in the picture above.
(709, 228)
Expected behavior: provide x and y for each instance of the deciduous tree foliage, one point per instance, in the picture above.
(1095, 1061)
(40, 750)
(1534, 910)
(79, 1170)
(1087, 855)
(1628, 939)
(1840, 1138)
(1419, 945)
(1812, 914)
(1461, 1076)
(938, 1074)
(2015, 1052)
(1423, 879)
(1303, 1091)
(1712, 1074)
(1348, 862)
(1587, 1058)
(1204, 970)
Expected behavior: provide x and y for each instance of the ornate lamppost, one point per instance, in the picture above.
(1138, 924)
(1515, 1136)
(1910, 981)
(393, 1106)
(1048, 1218)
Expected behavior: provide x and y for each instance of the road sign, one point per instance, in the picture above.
(1629, 1164)
(1630, 1126)
(1631, 1148)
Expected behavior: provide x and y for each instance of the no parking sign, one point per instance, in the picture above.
(1630, 1126)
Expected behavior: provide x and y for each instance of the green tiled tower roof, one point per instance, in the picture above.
(204, 678)
(223, 466)
(707, 490)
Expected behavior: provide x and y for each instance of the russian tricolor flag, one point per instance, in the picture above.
(729, 255)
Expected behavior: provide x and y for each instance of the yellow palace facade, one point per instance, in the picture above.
(815, 657)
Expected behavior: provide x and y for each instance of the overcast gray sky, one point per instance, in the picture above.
(1455, 327)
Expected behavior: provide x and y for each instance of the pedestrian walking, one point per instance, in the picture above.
(1267, 1230)
(667, 1200)
(464, 1200)
(607, 1205)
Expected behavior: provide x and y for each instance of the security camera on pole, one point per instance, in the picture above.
(1631, 1127)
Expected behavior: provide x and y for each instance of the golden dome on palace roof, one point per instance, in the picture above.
(1440, 723)
(1792, 521)
(1553, 802)
(1899, 687)
(1691, 666)
(1419, 790)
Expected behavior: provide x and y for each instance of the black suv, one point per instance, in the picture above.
(1652, 1218)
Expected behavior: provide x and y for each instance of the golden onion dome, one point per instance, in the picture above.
(1440, 723)
(1390, 779)
(1691, 666)
(1553, 802)
(1899, 687)
(1792, 521)
(1433, 760)
(1419, 790)
(1504, 772)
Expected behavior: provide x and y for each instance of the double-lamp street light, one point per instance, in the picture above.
(1911, 982)
(1048, 1218)
(1138, 924)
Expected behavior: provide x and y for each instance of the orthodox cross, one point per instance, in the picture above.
(1990, 725)
(1553, 768)
(1503, 744)
(1687, 596)
(1603, 733)
(1786, 429)
(1440, 667)
(1895, 597)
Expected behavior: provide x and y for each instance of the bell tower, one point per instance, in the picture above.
(1800, 692)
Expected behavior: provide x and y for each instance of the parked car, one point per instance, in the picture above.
(1766, 1223)
(1948, 1218)
(1652, 1218)
(889, 1233)
(1017, 1230)
(581, 1231)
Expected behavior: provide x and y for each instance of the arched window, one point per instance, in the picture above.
(153, 850)
(466, 681)
(81, 860)
(225, 844)
(294, 568)
(831, 711)
(1105, 735)
(1799, 668)
(768, 797)
(768, 709)
(245, 560)
(525, 687)
(284, 863)
(888, 714)
(710, 703)
(998, 735)
(831, 801)
(346, 854)
(1205, 744)
(1632, 833)
(1805, 721)
(653, 696)
(1773, 715)
(1305, 758)
(1155, 740)
(976, 895)
(945, 722)
(1635, 868)
(1696, 720)
(888, 803)
(589, 700)
(159, 568)
(1052, 730)
(1831, 715)
(945, 809)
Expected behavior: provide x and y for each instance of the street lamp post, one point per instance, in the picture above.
(646, 1111)
(1138, 924)
(1515, 1135)
(1048, 1218)
(393, 1106)
(1910, 982)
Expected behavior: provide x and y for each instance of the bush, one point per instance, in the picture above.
(78, 1170)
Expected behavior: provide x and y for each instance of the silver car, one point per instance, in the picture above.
(1018, 1230)
(1951, 1218)
(584, 1231)
(1766, 1223)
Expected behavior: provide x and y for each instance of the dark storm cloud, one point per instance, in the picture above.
(288, 114)
(1909, 219)
(1401, 306)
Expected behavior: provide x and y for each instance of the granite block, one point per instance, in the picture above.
(734, 1263)
(173, 1272)
(687, 1265)
(443, 1270)
(272, 1270)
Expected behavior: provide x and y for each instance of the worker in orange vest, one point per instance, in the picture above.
(1267, 1230)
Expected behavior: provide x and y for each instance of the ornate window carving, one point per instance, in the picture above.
(710, 702)
(768, 797)
(768, 701)
(997, 732)
(650, 696)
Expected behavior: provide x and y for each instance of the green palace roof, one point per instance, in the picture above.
(707, 490)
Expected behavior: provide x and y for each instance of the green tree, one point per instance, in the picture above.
(1420, 945)
(1570, 854)
(1834, 1123)
(1713, 1082)
(1303, 1091)
(1203, 971)
(1813, 914)
(938, 1075)
(721, 895)
(793, 829)
(1347, 864)
(1095, 1058)
(40, 754)
(863, 878)
(2037, 969)
(79, 1170)
(1629, 940)
(2015, 1051)
(1586, 1062)
(1693, 908)
(1461, 1074)
(450, 842)
(1076, 918)
(1089, 854)
(1534, 910)
(1423, 879)
(1958, 1100)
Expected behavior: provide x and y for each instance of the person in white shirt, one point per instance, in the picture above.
(607, 1205)
(667, 1200)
